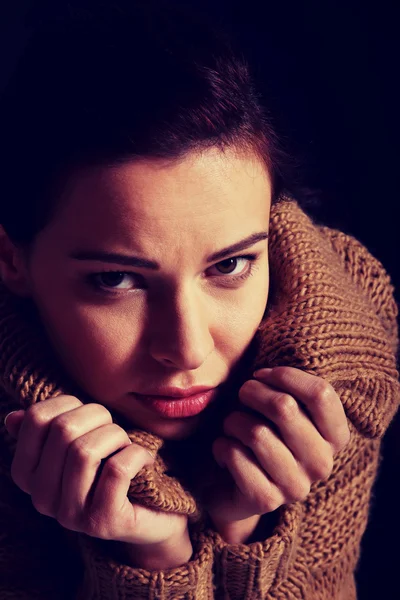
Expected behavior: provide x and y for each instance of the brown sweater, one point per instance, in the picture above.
(332, 313)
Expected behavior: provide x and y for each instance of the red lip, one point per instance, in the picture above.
(178, 408)
(175, 392)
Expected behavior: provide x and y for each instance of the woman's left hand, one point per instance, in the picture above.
(274, 456)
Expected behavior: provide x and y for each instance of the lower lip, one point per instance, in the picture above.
(179, 407)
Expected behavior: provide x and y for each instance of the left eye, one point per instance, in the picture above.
(228, 266)
(114, 279)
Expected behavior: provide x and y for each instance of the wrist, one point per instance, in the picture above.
(168, 554)
(257, 528)
(237, 532)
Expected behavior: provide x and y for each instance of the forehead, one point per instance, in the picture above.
(151, 195)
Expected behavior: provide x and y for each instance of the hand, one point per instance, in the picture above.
(77, 466)
(277, 452)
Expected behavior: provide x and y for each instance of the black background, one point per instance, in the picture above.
(330, 71)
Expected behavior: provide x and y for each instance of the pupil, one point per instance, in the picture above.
(231, 264)
(111, 279)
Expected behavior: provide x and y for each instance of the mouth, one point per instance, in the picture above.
(178, 408)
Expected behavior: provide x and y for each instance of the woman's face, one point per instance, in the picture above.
(122, 326)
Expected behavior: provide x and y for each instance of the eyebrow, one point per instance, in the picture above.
(143, 263)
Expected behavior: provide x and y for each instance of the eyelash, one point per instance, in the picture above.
(93, 278)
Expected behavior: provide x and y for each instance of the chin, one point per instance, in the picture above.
(174, 429)
(181, 429)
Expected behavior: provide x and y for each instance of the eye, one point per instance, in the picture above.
(230, 265)
(109, 280)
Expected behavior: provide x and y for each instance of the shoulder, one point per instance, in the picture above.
(370, 276)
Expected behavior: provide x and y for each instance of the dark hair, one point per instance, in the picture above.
(158, 81)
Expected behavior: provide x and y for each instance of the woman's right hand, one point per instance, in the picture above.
(77, 466)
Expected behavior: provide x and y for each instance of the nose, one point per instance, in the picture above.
(180, 331)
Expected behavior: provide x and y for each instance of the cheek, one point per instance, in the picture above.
(109, 336)
(239, 321)
(254, 297)
(93, 344)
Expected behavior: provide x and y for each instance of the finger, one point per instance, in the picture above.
(254, 492)
(32, 435)
(46, 480)
(149, 525)
(110, 497)
(271, 453)
(13, 422)
(297, 431)
(85, 461)
(318, 397)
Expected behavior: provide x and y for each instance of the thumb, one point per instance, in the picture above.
(13, 421)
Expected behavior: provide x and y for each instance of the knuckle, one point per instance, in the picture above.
(35, 415)
(300, 491)
(282, 374)
(259, 503)
(66, 402)
(326, 468)
(80, 451)
(66, 430)
(94, 526)
(322, 391)
(263, 499)
(63, 519)
(41, 506)
(231, 451)
(68, 399)
(256, 435)
(67, 520)
(323, 468)
(105, 412)
(265, 503)
(91, 527)
(115, 468)
(285, 407)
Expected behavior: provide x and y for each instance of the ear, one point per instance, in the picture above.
(13, 266)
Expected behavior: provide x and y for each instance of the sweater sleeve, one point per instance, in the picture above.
(314, 550)
(41, 560)
(105, 576)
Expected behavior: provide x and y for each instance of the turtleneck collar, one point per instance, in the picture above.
(330, 313)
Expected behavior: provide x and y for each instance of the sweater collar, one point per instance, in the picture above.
(312, 295)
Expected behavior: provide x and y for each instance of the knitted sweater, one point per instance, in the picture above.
(331, 312)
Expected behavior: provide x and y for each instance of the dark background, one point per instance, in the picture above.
(329, 70)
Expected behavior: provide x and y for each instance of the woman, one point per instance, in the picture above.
(142, 456)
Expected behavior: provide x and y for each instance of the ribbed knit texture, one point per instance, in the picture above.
(332, 313)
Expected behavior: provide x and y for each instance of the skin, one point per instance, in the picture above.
(186, 324)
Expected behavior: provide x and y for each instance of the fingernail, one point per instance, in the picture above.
(153, 456)
(150, 453)
(221, 462)
(261, 372)
(11, 413)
